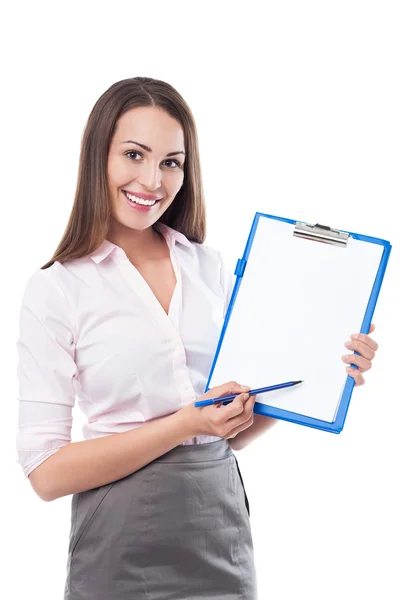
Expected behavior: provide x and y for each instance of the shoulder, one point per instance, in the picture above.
(207, 253)
(46, 288)
(212, 266)
(52, 277)
(206, 258)
(215, 257)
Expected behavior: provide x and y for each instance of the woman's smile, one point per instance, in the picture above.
(139, 203)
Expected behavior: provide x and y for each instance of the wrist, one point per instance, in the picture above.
(183, 418)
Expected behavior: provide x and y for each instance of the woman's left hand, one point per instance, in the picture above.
(366, 346)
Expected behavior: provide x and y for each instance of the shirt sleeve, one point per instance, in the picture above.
(46, 370)
(227, 281)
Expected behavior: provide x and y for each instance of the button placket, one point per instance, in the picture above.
(181, 374)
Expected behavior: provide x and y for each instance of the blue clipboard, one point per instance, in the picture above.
(308, 234)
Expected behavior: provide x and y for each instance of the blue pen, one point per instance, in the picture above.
(227, 399)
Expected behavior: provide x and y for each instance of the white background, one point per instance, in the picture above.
(297, 109)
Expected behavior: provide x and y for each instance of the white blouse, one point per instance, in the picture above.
(92, 328)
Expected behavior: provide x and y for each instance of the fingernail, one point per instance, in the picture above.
(348, 344)
(245, 387)
(354, 336)
(349, 369)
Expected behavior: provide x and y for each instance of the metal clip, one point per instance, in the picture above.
(321, 233)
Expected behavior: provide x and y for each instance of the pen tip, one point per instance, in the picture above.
(296, 382)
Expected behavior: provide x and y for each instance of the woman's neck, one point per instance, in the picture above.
(139, 246)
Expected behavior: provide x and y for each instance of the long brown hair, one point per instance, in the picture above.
(90, 216)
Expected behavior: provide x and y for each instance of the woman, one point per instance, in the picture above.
(126, 316)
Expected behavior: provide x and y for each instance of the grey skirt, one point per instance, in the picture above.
(177, 529)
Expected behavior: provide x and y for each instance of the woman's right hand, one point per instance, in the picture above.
(220, 420)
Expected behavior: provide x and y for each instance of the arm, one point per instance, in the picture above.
(89, 464)
(245, 437)
(84, 465)
(46, 372)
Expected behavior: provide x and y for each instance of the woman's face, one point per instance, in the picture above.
(150, 171)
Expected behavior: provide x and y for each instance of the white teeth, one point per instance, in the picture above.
(140, 200)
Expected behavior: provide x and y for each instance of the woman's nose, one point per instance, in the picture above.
(150, 175)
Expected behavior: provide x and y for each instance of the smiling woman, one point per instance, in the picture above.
(126, 317)
(131, 179)
(140, 138)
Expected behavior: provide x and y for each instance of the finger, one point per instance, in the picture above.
(226, 389)
(232, 387)
(357, 376)
(233, 409)
(249, 407)
(372, 328)
(363, 349)
(239, 404)
(244, 417)
(362, 363)
(365, 339)
(241, 427)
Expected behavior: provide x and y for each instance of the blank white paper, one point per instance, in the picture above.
(298, 302)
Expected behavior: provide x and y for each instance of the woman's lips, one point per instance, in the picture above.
(140, 207)
(143, 196)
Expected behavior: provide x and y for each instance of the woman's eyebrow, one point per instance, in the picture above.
(149, 149)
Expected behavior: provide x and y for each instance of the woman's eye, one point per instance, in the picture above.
(178, 164)
(132, 152)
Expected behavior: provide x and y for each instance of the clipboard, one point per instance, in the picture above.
(300, 290)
